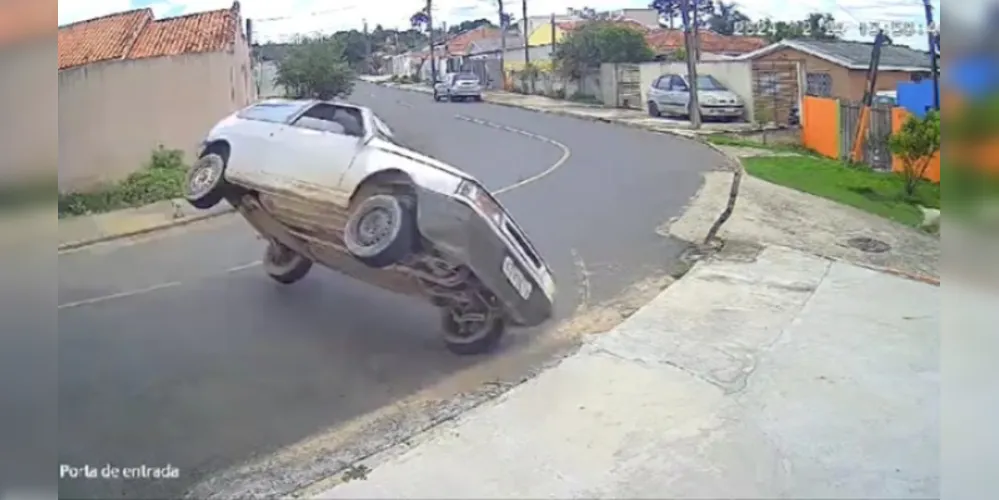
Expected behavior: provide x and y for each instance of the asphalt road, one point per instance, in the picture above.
(199, 361)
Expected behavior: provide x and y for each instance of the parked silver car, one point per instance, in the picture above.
(669, 95)
(458, 87)
(327, 182)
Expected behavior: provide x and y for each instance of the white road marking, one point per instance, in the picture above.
(161, 286)
(119, 295)
(566, 153)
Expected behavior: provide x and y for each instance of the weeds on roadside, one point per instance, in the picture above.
(161, 179)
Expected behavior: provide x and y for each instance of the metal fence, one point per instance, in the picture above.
(875, 151)
(629, 86)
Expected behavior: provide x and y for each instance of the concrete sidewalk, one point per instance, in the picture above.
(76, 232)
(775, 374)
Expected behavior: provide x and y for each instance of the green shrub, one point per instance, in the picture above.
(160, 179)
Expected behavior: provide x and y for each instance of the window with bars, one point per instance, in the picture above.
(819, 84)
(768, 83)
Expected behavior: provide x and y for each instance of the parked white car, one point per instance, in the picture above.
(326, 182)
(670, 95)
(458, 87)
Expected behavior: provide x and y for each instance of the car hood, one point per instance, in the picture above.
(720, 95)
(409, 154)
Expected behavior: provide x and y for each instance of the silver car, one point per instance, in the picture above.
(327, 182)
(458, 87)
(669, 95)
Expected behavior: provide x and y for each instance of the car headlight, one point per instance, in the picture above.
(481, 199)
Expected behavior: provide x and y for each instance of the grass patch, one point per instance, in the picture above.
(161, 179)
(727, 140)
(875, 192)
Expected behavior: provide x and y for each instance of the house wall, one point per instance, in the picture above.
(736, 75)
(846, 83)
(543, 35)
(29, 98)
(112, 115)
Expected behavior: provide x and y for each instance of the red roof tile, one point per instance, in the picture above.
(136, 35)
(460, 43)
(26, 19)
(100, 39)
(667, 40)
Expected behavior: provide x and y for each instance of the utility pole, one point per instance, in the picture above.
(367, 48)
(934, 39)
(433, 51)
(503, 30)
(527, 47)
(696, 20)
(552, 22)
(694, 105)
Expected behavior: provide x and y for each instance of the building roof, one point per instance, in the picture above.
(854, 55)
(26, 19)
(135, 34)
(459, 43)
(667, 40)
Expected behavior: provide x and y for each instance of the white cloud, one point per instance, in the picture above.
(280, 19)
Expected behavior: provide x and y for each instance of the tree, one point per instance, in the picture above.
(726, 18)
(668, 10)
(600, 42)
(915, 144)
(469, 25)
(315, 68)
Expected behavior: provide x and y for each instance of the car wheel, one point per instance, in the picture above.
(205, 185)
(381, 229)
(468, 338)
(654, 110)
(285, 265)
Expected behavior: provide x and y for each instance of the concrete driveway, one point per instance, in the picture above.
(177, 350)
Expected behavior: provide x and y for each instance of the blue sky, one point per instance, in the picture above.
(279, 19)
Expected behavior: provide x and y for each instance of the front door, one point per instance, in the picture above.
(314, 152)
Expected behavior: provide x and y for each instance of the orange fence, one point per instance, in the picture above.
(820, 126)
(898, 117)
(983, 155)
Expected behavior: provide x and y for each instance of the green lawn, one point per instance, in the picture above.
(726, 140)
(878, 193)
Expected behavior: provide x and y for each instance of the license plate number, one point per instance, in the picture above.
(516, 278)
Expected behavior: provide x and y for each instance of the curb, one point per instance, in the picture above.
(74, 245)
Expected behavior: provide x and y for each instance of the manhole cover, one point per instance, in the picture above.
(869, 245)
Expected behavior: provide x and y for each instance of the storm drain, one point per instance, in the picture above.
(869, 245)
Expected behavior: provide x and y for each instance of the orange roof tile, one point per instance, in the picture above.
(667, 40)
(459, 44)
(200, 32)
(24, 19)
(100, 39)
(136, 35)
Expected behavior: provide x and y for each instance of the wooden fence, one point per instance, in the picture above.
(829, 126)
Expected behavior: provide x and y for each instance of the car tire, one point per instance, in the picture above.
(381, 229)
(654, 110)
(470, 341)
(284, 265)
(205, 185)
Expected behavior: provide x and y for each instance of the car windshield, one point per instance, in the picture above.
(466, 77)
(276, 112)
(708, 82)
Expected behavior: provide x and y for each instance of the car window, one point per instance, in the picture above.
(466, 77)
(384, 131)
(657, 83)
(664, 82)
(342, 119)
(677, 83)
(708, 82)
(274, 112)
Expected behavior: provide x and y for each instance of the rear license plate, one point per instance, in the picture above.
(516, 278)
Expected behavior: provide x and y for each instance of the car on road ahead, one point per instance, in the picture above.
(327, 182)
(670, 95)
(458, 87)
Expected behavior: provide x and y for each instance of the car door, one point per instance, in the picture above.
(655, 93)
(317, 148)
(679, 94)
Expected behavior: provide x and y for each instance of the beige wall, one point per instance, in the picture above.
(736, 75)
(112, 115)
(28, 97)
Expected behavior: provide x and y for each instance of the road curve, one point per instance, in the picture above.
(178, 350)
